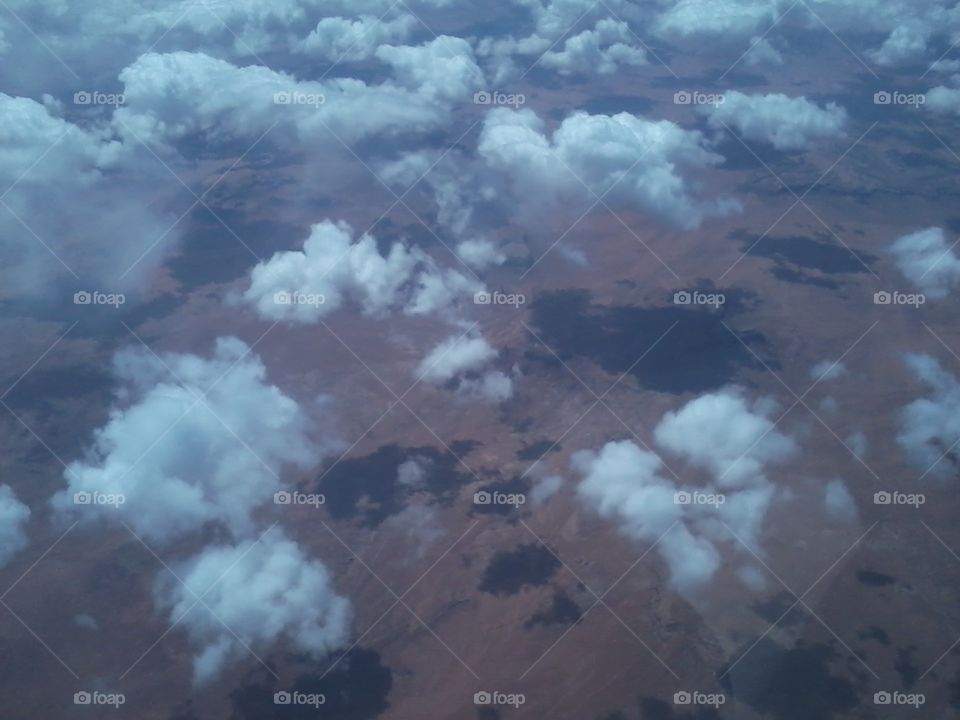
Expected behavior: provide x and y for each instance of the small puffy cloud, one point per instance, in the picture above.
(857, 441)
(410, 473)
(839, 502)
(454, 356)
(13, 519)
(341, 39)
(785, 122)
(480, 254)
(333, 268)
(943, 100)
(545, 488)
(927, 259)
(828, 370)
(603, 50)
(930, 426)
(636, 161)
(719, 432)
(255, 593)
(464, 358)
(206, 446)
(442, 69)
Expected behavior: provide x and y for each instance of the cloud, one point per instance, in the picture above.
(724, 434)
(463, 358)
(839, 502)
(602, 50)
(334, 268)
(454, 356)
(828, 370)
(636, 160)
(786, 123)
(716, 17)
(544, 489)
(943, 100)
(719, 432)
(254, 594)
(762, 52)
(480, 254)
(77, 201)
(180, 462)
(174, 95)
(927, 259)
(930, 426)
(13, 519)
(341, 39)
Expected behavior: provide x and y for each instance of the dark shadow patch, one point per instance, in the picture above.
(698, 354)
(875, 633)
(794, 684)
(511, 570)
(356, 689)
(875, 579)
(562, 611)
(903, 664)
(822, 252)
(368, 488)
(538, 449)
